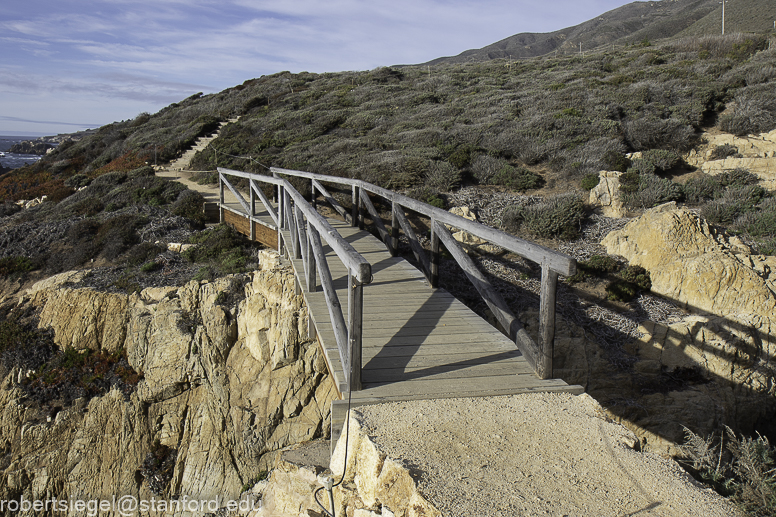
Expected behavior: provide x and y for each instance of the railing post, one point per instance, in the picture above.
(220, 198)
(281, 214)
(253, 209)
(312, 285)
(354, 207)
(312, 194)
(547, 321)
(394, 247)
(434, 280)
(355, 323)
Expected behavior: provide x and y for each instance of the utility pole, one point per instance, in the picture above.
(723, 16)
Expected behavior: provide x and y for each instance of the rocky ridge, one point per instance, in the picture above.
(229, 378)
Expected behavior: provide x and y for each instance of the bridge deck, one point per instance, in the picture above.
(418, 342)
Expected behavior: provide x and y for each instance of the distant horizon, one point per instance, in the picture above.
(21, 134)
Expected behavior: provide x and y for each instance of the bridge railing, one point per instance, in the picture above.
(306, 227)
(539, 355)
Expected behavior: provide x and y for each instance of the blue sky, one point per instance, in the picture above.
(67, 65)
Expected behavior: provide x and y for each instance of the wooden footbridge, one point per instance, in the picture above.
(387, 332)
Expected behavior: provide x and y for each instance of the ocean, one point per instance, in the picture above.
(14, 161)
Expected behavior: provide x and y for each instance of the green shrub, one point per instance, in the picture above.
(747, 474)
(701, 189)
(443, 176)
(647, 191)
(620, 291)
(638, 276)
(15, 265)
(222, 247)
(615, 161)
(191, 205)
(557, 216)
(737, 178)
(590, 181)
(662, 159)
(723, 151)
(517, 178)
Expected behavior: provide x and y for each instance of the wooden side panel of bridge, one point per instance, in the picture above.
(418, 342)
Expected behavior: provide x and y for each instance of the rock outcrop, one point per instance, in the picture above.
(230, 377)
(693, 264)
(756, 153)
(710, 369)
(607, 194)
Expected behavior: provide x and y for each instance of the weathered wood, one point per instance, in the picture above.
(291, 224)
(354, 206)
(252, 235)
(330, 199)
(332, 300)
(238, 196)
(434, 277)
(355, 262)
(311, 283)
(270, 210)
(378, 222)
(556, 261)
(547, 321)
(417, 249)
(301, 234)
(355, 312)
(495, 302)
(394, 247)
(221, 198)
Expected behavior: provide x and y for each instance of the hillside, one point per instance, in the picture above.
(631, 23)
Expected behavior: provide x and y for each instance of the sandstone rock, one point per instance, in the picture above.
(606, 194)
(372, 480)
(462, 236)
(757, 156)
(86, 319)
(204, 392)
(694, 265)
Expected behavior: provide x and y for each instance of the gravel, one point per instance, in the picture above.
(533, 454)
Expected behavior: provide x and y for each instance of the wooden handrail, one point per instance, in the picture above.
(552, 262)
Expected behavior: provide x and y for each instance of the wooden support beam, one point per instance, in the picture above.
(434, 280)
(492, 298)
(384, 235)
(417, 249)
(332, 300)
(237, 195)
(333, 202)
(265, 201)
(354, 206)
(310, 259)
(394, 247)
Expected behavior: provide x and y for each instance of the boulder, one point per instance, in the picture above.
(607, 194)
(699, 267)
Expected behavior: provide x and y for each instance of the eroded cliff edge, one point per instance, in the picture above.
(229, 376)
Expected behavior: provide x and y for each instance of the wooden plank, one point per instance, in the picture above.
(461, 387)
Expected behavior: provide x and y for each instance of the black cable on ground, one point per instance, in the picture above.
(345, 462)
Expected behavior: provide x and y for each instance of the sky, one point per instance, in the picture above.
(68, 65)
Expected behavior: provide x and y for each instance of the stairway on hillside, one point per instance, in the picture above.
(183, 162)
